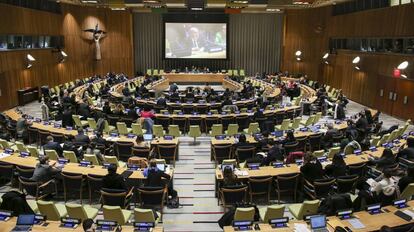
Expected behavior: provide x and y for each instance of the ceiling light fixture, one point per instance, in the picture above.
(403, 65)
(356, 60)
(29, 61)
(325, 56)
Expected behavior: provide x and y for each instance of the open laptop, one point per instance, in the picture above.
(318, 223)
(147, 137)
(161, 167)
(24, 222)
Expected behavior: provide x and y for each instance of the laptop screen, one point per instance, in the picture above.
(147, 137)
(223, 166)
(318, 222)
(25, 219)
(161, 167)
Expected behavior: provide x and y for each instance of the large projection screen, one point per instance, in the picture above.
(195, 41)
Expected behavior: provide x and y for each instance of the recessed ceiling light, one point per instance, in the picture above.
(298, 53)
(325, 56)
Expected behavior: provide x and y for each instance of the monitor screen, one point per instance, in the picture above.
(318, 222)
(195, 40)
(26, 219)
(147, 137)
(223, 166)
(161, 167)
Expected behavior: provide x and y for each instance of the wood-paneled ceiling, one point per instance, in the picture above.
(243, 6)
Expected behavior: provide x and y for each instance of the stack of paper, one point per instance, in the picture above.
(4, 155)
(356, 223)
(301, 228)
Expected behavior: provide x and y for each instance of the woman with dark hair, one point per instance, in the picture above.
(290, 138)
(229, 178)
(408, 152)
(387, 159)
(243, 143)
(337, 168)
(312, 168)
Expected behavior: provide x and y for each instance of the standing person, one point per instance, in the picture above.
(45, 111)
(21, 127)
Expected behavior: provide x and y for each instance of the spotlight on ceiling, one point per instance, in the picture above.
(356, 60)
(357, 68)
(403, 65)
(325, 56)
(29, 61)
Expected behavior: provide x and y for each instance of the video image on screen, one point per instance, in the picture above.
(195, 40)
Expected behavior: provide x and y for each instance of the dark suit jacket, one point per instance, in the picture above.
(154, 178)
(162, 102)
(82, 139)
(67, 118)
(114, 181)
(54, 146)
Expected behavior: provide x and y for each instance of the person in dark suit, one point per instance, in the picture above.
(408, 152)
(81, 138)
(407, 179)
(173, 88)
(327, 139)
(113, 180)
(154, 178)
(337, 168)
(107, 108)
(84, 111)
(243, 143)
(51, 145)
(312, 168)
(162, 102)
(67, 119)
(43, 171)
(386, 160)
(154, 175)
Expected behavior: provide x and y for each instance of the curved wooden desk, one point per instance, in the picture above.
(55, 226)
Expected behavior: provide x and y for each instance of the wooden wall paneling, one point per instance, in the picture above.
(116, 47)
(361, 86)
(404, 88)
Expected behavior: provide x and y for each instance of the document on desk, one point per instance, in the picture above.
(4, 155)
(409, 212)
(241, 173)
(371, 182)
(356, 223)
(301, 228)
